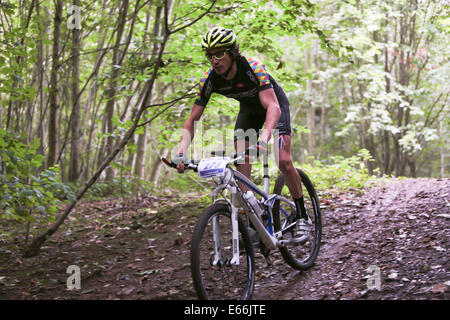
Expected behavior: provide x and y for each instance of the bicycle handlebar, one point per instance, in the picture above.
(193, 164)
(168, 163)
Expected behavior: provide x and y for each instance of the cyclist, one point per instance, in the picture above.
(262, 103)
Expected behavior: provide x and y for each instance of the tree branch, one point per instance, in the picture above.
(193, 21)
(170, 104)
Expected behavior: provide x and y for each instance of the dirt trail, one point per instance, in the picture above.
(402, 229)
(140, 250)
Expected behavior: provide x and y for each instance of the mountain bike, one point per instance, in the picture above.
(224, 239)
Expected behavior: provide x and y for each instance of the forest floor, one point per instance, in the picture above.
(140, 250)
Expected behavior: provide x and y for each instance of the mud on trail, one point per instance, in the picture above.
(140, 250)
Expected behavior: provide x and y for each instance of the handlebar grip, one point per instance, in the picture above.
(168, 163)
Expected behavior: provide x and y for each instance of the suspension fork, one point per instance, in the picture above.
(217, 242)
(234, 226)
(234, 229)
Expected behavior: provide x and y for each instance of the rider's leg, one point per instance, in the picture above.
(244, 168)
(293, 180)
(303, 226)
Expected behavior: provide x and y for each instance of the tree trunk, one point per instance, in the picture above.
(444, 137)
(1, 120)
(141, 143)
(75, 156)
(92, 105)
(53, 93)
(310, 108)
(41, 71)
(140, 150)
(112, 90)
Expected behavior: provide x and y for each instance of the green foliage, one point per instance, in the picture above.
(17, 52)
(388, 101)
(25, 190)
(340, 173)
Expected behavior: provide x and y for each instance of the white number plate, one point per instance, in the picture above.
(212, 167)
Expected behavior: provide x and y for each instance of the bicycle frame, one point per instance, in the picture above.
(229, 181)
(267, 235)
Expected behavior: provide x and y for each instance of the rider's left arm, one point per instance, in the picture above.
(270, 102)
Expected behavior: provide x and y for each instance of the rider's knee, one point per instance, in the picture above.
(285, 164)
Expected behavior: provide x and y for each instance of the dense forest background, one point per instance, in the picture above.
(98, 90)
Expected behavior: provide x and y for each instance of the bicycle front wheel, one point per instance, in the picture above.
(214, 277)
(299, 256)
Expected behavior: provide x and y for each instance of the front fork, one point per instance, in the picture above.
(234, 227)
(235, 235)
(217, 242)
(271, 242)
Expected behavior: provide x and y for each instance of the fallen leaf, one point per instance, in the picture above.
(126, 291)
(393, 275)
(439, 288)
(174, 291)
(87, 291)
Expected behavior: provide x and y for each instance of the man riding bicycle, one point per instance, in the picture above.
(263, 103)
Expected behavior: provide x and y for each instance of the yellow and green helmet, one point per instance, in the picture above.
(219, 37)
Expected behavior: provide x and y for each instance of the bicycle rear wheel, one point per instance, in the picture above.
(214, 277)
(300, 256)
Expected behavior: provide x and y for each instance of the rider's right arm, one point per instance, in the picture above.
(205, 88)
(203, 95)
(189, 128)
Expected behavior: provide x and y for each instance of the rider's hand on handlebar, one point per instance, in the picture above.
(180, 168)
(260, 149)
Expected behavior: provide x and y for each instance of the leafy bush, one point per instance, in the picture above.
(121, 186)
(339, 172)
(25, 189)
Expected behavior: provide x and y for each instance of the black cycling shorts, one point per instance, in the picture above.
(250, 121)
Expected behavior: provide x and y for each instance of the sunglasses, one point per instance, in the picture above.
(219, 55)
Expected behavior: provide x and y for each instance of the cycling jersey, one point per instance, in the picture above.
(250, 79)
